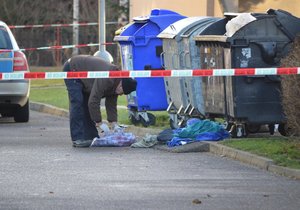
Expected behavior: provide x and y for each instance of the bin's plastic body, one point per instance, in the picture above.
(141, 50)
(180, 52)
(248, 100)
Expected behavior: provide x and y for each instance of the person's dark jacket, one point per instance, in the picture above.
(98, 88)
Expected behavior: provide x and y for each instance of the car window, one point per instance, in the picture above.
(5, 42)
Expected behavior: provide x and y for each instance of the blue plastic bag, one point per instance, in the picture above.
(198, 130)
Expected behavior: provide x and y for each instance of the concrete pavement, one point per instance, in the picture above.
(213, 147)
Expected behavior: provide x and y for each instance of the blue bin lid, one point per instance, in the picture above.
(163, 18)
(149, 26)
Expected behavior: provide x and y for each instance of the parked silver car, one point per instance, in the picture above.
(14, 94)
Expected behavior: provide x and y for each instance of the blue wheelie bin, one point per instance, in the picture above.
(141, 50)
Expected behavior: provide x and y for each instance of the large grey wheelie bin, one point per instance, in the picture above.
(259, 42)
(180, 52)
(193, 85)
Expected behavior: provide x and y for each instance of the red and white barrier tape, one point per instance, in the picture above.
(57, 47)
(57, 25)
(150, 73)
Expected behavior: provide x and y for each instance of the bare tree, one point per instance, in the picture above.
(247, 5)
(291, 89)
(28, 12)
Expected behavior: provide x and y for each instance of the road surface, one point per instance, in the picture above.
(41, 170)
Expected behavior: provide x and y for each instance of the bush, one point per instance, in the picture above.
(291, 89)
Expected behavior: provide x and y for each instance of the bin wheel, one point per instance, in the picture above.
(238, 131)
(176, 125)
(152, 120)
(252, 128)
(284, 130)
(173, 124)
(228, 125)
(133, 120)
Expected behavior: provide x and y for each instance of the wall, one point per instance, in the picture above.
(211, 7)
(184, 7)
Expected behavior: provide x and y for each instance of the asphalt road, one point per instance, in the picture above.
(39, 169)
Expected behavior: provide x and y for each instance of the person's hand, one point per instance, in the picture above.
(104, 128)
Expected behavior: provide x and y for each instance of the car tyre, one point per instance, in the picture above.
(22, 113)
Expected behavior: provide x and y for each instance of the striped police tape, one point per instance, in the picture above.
(59, 25)
(60, 47)
(150, 73)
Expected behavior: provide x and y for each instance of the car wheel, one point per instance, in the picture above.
(22, 113)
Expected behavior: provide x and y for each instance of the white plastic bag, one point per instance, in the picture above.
(114, 139)
(238, 22)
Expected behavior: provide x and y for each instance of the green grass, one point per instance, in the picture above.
(54, 92)
(284, 152)
(58, 96)
(46, 82)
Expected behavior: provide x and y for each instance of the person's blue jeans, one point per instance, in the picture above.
(81, 125)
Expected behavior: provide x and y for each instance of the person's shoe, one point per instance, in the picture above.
(82, 143)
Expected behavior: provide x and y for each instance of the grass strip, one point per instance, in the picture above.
(284, 152)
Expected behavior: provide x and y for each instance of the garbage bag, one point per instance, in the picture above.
(146, 142)
(165, 135)
(238, 22)
(198, 130)
(114, 139)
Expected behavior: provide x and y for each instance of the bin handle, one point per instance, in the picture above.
(187, 53)
(181, 57)
(273, 78)
(162, 59)
(269, 78)
(173, 61)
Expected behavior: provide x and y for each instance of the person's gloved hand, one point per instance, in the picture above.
(104, 128)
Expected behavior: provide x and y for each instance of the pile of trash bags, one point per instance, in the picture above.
(195, 130)
(198, 130)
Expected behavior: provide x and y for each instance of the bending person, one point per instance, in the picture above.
(85, 97)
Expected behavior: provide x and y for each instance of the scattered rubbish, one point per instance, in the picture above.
(198, 130)
(114, 139)
(197, 201)
(146, 142)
